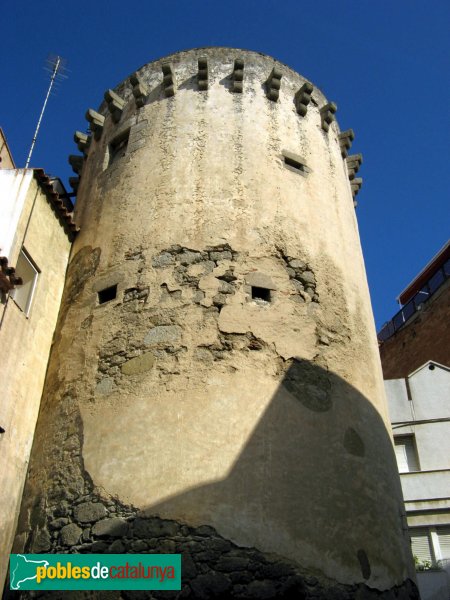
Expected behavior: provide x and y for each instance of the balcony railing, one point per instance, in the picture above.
(415, 304)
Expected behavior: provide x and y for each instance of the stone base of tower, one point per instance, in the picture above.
(212, 566)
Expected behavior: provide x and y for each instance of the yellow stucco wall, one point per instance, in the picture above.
(26, 342)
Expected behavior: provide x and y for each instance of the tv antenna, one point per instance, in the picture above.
(56, 66)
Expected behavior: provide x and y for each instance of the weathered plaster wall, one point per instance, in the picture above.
(25, 343)
(184, 397)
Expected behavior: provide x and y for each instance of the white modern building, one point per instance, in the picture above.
(419, 407)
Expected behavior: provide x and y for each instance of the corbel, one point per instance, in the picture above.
(345, 141)
(302, 98)
(168, 80)
(353, 163)
(115, 105)
(82, 140)
(76, 162)
(74, 182)
(96, 121)
(356, 185)
(238, 76)
(140, 90)
(273, 84)
(202, 74)
(327, 113)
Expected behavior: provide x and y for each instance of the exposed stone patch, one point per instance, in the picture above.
(136, 293)
(139, 364)
(302, 278)
(163, 334)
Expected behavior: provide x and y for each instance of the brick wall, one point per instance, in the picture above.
(426, 337)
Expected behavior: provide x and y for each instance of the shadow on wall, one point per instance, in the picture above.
(313, 500)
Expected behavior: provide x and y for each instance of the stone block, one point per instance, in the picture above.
(88, 512)
(163, 334)
(151, 528)
(70, 534)
(105, 386)
(113, 527)
(232, 563)
(188, 258)
(139, 364)
(211, 585)
(225, 255)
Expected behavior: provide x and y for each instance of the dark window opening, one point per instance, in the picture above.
(259, 293)
(294, 164)
(107, 294)
(118, 147)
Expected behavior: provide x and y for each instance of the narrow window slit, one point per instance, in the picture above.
(295, 164)
(107, 294)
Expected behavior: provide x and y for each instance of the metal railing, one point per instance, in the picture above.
(416, 302)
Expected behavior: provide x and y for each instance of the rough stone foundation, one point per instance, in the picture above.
(212, 566)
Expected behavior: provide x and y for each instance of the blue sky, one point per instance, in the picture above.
(386, 64)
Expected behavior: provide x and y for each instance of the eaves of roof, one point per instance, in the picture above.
(64, 216)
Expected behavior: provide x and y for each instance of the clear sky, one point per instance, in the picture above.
(386, 64)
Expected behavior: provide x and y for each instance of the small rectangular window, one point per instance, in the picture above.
(259, 293)
(406, 454)
(28, 272)
(107, 294)
(295, 164)
(118, 146)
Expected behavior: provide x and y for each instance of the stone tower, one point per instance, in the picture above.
(214, 387)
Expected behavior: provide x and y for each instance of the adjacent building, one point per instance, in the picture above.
(415, 353)
(36, 231)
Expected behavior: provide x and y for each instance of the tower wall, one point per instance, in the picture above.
(232, 385)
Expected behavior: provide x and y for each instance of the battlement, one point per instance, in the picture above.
(206, 71)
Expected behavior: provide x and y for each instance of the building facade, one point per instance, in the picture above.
(419, 407)
(214, 386)
(36, 231)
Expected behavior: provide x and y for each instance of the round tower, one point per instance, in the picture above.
(214, 387)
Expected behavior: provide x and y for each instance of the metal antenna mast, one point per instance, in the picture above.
(56, 65)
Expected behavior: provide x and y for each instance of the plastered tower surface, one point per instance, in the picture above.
(214, 387)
